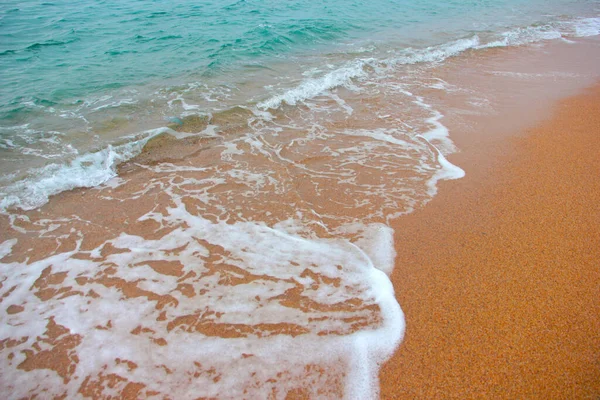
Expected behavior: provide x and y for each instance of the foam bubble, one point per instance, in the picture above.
(6, 247)
(587, 27)
(312, 87)
(87, 170)
(377, 241)
(116, 104)
(437, 53)
(582, 27)
(344, 75)
(160, 334)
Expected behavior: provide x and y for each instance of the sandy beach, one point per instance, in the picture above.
(499, 276)
(284, 246)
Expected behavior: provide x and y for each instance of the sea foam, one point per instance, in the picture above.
(84, 171)
(165, 332)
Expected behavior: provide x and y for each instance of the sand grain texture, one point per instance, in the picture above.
(499, 276)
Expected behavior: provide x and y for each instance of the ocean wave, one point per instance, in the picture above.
(357, 69)
(434, 54)
(315, 86)
(586, 27)
(521, 36)
(7, 52)
(49, 43)
(88, 170)
(580, 27)
(95, 168)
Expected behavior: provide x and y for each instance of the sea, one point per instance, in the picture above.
(197, 198)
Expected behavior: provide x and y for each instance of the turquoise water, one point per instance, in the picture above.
(60, 51)
(77, 78)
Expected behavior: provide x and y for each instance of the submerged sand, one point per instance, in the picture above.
(499, 276)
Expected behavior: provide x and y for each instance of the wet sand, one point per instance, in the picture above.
(499, 276)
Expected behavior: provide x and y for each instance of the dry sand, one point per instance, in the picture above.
(499, 276)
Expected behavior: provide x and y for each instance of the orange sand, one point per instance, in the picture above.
(499, 276)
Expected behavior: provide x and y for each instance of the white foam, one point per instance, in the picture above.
(438, 137)
(114, 183)
(349, 110)
(440, 84)
(209, 131)
(312, 87)
(531, 75)
(434, 54)
(245, 366)
(87, 170)
(115, 104)
(587, 27)
(439, 134)
(6, 247)
(343, 76)
(582, 27)
(377, 241)
(231, 150)
(447, 171)
(382, 134)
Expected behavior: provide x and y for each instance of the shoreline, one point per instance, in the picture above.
(498, 275)
(455, 310)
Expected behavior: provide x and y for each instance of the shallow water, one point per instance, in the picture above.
(76, 80)
(234, 240)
